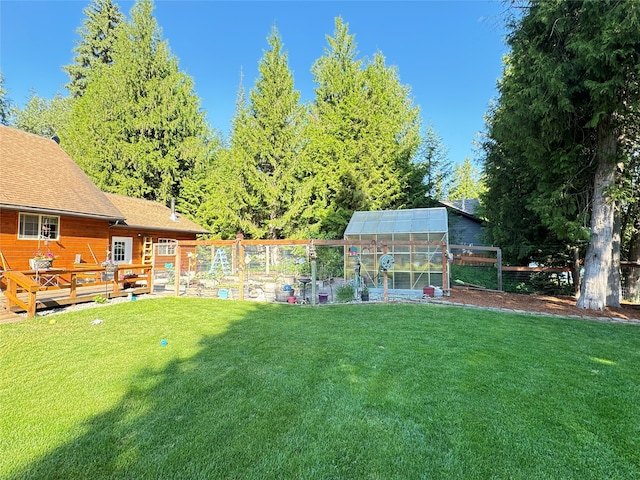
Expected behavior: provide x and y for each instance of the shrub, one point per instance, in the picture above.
(345, 293)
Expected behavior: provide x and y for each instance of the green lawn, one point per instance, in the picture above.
(264, 391)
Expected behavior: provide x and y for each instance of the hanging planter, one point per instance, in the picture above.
(110, 266)
(41, 263)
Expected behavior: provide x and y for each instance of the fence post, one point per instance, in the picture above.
(240, 269)
(446, 288)
(177, 266)
(499, 265)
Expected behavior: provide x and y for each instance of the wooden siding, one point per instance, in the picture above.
(90, 238)
(464, 231)
(77, 236)
(138, 241)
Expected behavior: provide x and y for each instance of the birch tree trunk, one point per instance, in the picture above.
(598, 260)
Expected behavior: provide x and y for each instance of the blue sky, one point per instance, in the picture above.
(449, 51)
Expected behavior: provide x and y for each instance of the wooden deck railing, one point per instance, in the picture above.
(18, 281)
(32, 283)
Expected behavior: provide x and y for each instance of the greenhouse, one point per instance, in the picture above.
(417, 241)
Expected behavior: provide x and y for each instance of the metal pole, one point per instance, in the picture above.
(313, 281)
(385, 279)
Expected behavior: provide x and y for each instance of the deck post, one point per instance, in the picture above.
(177, 270)
(74, 285)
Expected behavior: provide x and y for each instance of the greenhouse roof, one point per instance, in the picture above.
(417, 220)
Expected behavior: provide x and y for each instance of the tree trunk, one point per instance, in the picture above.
(633, 277)
(614, 286)
(598, 260)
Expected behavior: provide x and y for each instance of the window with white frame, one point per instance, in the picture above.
(167, 246)
(38, 227)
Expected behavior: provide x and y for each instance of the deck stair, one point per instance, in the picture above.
(7, 316)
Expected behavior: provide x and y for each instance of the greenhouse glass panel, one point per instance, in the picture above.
(416, 266)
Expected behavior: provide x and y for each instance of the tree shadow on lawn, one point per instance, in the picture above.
(276, 395)
(238, 408)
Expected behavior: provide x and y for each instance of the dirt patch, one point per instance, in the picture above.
(564, 306)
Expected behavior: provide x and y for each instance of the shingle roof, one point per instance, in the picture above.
(146, 214)
(36, 174)
(465, 206)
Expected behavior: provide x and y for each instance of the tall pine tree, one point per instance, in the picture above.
(98, 36)
(138, 130)
(568, 100)
(363, 133)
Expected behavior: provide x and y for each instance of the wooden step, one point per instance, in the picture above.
(7, 316)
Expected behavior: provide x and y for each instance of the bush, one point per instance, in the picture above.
(345, 293)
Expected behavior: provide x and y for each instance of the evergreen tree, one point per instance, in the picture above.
(227, 209)
(98, 36)
(258, 180)
(466, 182)
(5, 103)
(138, 129)
(568, 98)
(433, 170)
(363, 134)
(41, 116)
(272, 153)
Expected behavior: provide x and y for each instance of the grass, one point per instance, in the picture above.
(245, 390)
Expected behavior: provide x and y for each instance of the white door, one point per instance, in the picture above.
(122, 249)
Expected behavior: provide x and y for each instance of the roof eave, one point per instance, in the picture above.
(160, 229)
(24, 208)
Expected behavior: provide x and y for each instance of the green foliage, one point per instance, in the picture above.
(41, 116)
(345, 293)
(98, 36)
(362, 137)
(431, 170)
(100, 299)
(330, 261)
(569, 90)
(5, 103)
(138, 129)
(266, 145)
(466, 182)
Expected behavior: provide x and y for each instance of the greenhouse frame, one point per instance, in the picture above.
(418, 240)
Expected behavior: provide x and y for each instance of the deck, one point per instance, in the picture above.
(30, 291)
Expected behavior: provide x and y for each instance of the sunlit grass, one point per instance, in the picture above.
(244, 390)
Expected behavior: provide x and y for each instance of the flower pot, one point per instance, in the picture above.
(223, 293)
(364, 297)
(41, 263)
(323, 297)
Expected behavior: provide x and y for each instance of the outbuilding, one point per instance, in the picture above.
(416, 239)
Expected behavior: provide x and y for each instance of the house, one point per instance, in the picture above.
(465, 227)
(49, 205)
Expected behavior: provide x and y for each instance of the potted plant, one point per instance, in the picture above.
(364, 294)
(42, 260)
(109, 265)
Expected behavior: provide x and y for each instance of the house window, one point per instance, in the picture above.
(38, 227)
(167, 246)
